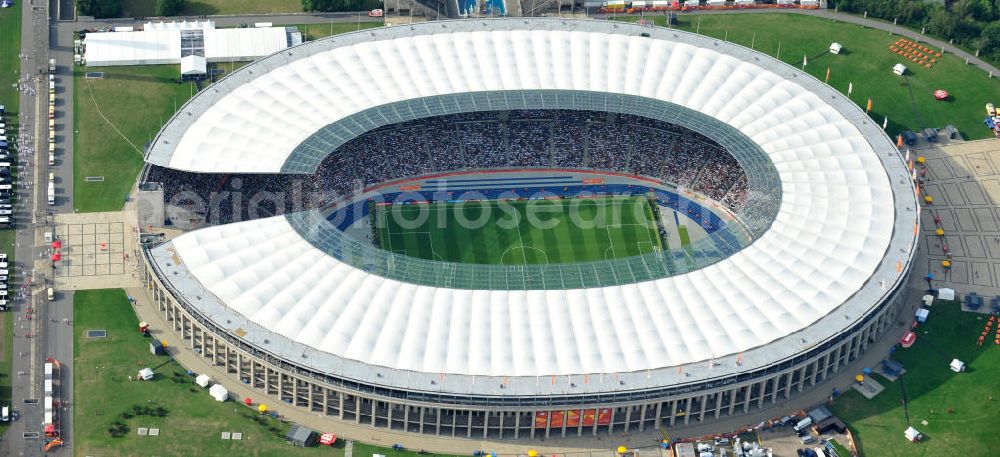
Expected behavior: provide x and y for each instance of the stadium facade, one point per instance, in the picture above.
(291, 307)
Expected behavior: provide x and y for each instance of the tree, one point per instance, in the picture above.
(99, 8)
(338, 5)
(168, 7)
(991, 40)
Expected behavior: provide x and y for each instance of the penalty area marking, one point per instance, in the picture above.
(524, 258)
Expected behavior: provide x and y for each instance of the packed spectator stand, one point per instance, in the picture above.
(479, 140)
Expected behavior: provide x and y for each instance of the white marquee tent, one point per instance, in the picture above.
(182, 25)
(202, 380)
(133, 48)
(218, 392)
(152, 47)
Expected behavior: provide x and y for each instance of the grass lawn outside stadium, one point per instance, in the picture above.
(519, 232)
(193, 421)
(962, 410)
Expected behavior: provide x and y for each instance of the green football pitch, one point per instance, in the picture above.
(520, 232)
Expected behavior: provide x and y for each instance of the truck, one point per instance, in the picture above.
(52, 65)
(52, 193)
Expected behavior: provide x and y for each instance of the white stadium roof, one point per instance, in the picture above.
(841, 241)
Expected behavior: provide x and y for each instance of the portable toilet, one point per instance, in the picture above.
(156, 346)
(945, 293)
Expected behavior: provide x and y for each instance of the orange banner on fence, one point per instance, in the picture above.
(593, 181)
(417, 187)
(589, 417)
(573, 418)
(556, 419)
(604, 416)
(541, 419)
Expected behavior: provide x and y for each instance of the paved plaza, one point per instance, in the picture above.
(964, 181)
(98, 250)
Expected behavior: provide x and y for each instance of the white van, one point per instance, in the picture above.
(803, 424)
(52, 294)
(5, 413)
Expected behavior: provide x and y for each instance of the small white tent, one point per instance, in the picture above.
(957, 366)
(202, 380)
(928, 300)
(193, 65)
(946, 294)
(835, 48)
(899, 69)
(912, 434)
(146, 374)
(922, 314)
(218, 392)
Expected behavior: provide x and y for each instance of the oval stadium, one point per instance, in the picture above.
(526, 228)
